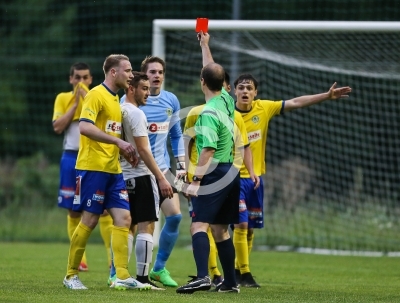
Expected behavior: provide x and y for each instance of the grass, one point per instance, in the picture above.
(33, 272)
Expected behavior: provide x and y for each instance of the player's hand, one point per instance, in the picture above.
(256, 181)
(337, 93)
(204, 38)
(193, 188)
(128, 152)
(165, 188)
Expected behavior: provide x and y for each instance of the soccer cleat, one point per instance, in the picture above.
(163, 277)
(248, 281)
(196, 284)
(129, 283)
(223, 288)
(111, 280)
(83, 267)
(238, 276)
(73, 283)
(216, 280)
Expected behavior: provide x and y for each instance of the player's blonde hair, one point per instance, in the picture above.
(113, 61)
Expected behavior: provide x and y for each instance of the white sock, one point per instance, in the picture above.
(144, 253)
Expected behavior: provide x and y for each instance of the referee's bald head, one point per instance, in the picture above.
(213, 75)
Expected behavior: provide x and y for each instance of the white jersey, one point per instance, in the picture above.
(134, 124)
(71, 136)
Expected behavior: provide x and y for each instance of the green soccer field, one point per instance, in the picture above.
(34, 273)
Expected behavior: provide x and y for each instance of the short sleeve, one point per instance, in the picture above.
(91, 107)
(207, 125)
(59, 107)
(272, 108)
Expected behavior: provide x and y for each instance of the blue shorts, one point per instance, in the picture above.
(251, 205)
(97, 191)
(219, 206)
(66, 190)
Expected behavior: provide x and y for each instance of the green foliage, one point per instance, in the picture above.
(37, 276)
(28, 183)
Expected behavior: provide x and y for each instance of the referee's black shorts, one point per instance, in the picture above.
(218, 198)
(143, 198)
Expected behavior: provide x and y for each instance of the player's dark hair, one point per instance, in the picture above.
(137, 77)
(213, 75)
(227, 78)
(78, 66)
(246, 77)
(113, 61)
(151, 59)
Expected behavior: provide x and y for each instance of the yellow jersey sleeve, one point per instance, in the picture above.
(189, 133)
(92, 105)
(241, 140)
(60, 105)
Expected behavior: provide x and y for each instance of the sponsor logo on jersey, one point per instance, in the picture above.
(255, 119)
(113, 127)
(158, 127)
(254, 136)
(98, 196)
(169, 112)
(124, 195)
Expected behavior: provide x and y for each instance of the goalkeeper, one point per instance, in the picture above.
(256, 115)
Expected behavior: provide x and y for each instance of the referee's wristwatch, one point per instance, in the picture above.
(195, 178)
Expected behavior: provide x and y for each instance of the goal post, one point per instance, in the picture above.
(333, 170)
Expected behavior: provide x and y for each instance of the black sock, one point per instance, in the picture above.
(226, 253)
(201, 252)
(142, 279)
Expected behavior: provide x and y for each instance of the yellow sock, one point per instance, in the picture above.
(241, 249)
(212, 259)
(72, 223)
(250, 239)
(119, 244)
(106, 226)
(77, 248)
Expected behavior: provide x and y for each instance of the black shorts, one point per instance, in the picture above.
(218, 197)
(169, 177)
(143, 198)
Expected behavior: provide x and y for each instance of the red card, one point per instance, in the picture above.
(202, 25)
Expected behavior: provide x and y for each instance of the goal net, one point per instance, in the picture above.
(333, 170)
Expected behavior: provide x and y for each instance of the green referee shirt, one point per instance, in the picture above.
(214, 127)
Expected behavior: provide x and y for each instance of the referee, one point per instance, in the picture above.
(216, 184)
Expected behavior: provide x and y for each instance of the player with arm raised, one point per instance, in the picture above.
(141, 180)
(67, 109)
(256, 115)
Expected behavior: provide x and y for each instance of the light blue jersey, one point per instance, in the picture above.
(162, 112)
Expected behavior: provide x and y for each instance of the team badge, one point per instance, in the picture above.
(169, 112)
(255, 119)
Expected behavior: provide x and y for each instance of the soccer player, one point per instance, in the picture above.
(162, 112)
(256, 115)
(141, 180)
(67, 108)
(99, 181)
(192, 157)
(215, 184)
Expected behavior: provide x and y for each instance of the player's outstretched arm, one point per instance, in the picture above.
(308, 100)
(204, 39)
